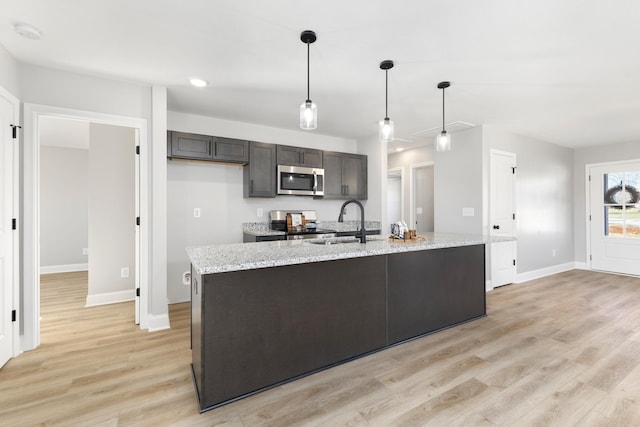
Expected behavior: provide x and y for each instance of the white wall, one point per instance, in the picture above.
(9, 75)
(581, 158)
(376, 204)
(217, 190)
(63, 206)
(544, 199)
(111, 213)
(458, 183)
(404, 160)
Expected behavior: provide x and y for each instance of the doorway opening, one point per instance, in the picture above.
(88, 188)
(31, 261)
(421, 197)
(395, 196)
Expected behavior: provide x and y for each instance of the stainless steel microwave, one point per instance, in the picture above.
(300, 181)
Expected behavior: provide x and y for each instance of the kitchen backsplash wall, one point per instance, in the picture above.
(216, 190)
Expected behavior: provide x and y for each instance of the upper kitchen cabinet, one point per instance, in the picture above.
(298, 156)
(203, 147)
(230, 150)
(189, 146)
(345, 176)
(260, 172)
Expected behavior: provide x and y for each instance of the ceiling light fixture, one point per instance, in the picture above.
(443, 141)
(386, 126)
(28, 31)
(198, 82)
(308, 110)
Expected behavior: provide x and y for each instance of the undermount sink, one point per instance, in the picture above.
(334, 241)
(342, 240)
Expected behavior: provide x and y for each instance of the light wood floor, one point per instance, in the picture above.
(559, 351)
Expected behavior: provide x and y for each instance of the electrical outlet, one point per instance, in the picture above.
(85, 251)
(553, 252)
(124, 272)
(196, 212)
(259, 213)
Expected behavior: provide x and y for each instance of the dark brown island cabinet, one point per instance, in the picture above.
(255, 329)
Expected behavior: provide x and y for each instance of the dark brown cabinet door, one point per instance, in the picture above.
(260, 172)
(333, 175)
(298, 156)
(230, 150)
(354, 176)
(434, 289)
(189, 146)
(345, 176)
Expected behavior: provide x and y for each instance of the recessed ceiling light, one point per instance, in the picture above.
(399, 149)
(198, 82)
(28, 31)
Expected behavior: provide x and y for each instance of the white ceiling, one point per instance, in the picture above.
(566, 71)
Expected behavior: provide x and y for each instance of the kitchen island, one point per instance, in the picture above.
(270, 312)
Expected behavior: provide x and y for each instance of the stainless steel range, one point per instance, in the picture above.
(298, 225)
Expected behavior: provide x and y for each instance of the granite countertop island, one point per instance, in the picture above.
(266, 313)
(247, 256)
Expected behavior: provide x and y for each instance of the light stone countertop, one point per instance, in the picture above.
(248, 256)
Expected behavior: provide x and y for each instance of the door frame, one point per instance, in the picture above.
(587, 198)
(412, 196)
(15, 256)
(31, 229)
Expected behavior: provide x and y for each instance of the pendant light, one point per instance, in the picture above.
(443, 141)
(308, 110)
(386, 126)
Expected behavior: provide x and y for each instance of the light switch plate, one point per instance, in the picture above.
(196, 212)
(124, 272)
(468, 212)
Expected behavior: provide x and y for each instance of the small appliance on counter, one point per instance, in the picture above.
(298, 225)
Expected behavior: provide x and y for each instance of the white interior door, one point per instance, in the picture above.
(502, 214)
(6, 230)
(615, 217)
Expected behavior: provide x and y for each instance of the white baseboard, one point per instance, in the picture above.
(158, 323)
(50, 269)
(543, 272)
(488, 286)
(110, 298)
(581, 266)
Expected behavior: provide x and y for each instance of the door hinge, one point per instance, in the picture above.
(589, 178)
(513, 170)
(589, 217)
(137, 220)
(137, 149)
(14, 224)
(137, 292)
(514, 262)
(13, 316)
(590, 257)
(514, 216)
(14, 129)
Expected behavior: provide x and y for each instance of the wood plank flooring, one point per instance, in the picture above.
(559, 351)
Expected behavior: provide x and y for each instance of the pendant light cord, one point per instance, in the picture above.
(386, 94)
(308, 76)
(443, 110)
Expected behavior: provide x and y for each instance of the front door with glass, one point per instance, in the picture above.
(615, 217)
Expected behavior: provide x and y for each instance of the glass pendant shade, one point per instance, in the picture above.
(443, 141)
(386, 130)
(308, 115)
